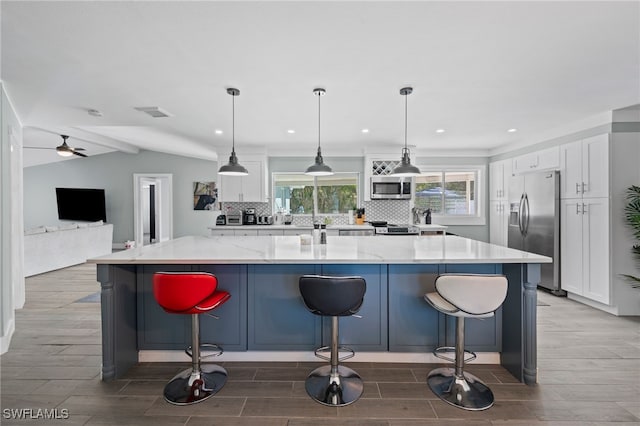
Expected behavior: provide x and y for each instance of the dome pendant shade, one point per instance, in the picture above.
(319, 168)
(405, 169)
(233, 168)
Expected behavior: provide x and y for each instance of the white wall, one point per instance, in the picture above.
(11, 240)
(114, 173)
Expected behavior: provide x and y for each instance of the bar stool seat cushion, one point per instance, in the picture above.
(188, 293)
(469, 295)
(332, 296)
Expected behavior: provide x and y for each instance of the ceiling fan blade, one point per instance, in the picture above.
(79, 154)
(78, 149)
(36, 147)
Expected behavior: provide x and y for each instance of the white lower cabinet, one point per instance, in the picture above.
(498, 222)
(262, 232)
(584, 248)
(222, 232)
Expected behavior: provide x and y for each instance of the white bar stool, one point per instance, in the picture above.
(464, 296)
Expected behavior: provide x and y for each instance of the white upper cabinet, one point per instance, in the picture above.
(251, 188)
(499, 176)
(546, 159)
(584, 167)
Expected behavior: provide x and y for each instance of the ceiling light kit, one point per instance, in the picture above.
(233, 168)
(405, 168)
(319, 168)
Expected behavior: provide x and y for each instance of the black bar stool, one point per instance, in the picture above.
(333, 385)
(464, 296)
(192, 293)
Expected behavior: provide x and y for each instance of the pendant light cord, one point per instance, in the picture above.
(405, 120)
(233, 123)
(319, 96)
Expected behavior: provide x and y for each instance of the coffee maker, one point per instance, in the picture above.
(249, 217)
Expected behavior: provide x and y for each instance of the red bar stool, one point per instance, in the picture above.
(192, 293)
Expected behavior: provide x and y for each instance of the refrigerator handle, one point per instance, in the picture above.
(520, 210)
(526, 226)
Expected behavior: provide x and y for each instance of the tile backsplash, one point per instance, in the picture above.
(393, 211)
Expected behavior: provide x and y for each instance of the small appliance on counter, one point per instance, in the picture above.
(397, 230)
(287, 219)
(265, 220)
(221, 220)
(249, 217)
(234, 218)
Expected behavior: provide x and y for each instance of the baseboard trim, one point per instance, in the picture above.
(308, 356)
(5, 340)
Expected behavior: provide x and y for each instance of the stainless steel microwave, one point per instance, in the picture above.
(390, 188)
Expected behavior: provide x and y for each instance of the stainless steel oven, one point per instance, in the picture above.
(390, 188)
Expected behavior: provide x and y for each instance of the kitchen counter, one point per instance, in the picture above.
(265, 320)
(400, 249)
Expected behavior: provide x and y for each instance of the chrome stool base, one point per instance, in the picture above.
(334, 390)
(189, 387)
(466, 392)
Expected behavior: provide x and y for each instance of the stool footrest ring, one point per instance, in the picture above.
(318, 353)
(217, 350)
(442, 352)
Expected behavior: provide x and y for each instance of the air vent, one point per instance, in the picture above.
(155, 112)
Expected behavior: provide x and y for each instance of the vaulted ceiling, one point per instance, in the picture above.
(477, 69)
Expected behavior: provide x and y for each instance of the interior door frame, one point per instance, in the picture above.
(164, 205)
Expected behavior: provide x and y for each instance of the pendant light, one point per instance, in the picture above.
(405, 168)
(233, 168)
(319, 168)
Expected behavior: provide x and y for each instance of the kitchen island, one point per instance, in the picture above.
(266, 319)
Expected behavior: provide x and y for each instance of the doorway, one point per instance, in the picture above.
(153, 207)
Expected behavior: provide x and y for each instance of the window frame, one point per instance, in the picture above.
(480, 217)
(356, 175)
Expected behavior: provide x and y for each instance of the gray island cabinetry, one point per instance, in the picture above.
(266, 318)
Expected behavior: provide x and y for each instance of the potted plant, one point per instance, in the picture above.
(632, 215)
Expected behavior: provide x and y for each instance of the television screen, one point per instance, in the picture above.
(81, 204)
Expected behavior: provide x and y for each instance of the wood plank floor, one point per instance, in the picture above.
(589, 374)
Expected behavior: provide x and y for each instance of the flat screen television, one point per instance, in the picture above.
(81, 204)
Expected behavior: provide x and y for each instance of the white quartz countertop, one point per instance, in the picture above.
(398, 249)
(309, 227)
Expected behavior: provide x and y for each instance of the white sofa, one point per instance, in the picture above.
(47, 248)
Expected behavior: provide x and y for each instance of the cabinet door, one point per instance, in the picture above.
(278, 318)
(296, 231)
(525, 163)
(368, 333)
(414, 326)
(595, 259)
(253, 185)
(246, 232)
(548, 159)
(595, 166)
(222, 232)
(262, 232)
(498, 222)
(499, 175)
(245, 188)
(571, 170)
(571, 246)
(230, 188)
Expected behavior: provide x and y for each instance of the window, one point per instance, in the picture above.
(452, 194)
(294, 193)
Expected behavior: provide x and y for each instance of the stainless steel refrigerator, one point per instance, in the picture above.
(534, 221)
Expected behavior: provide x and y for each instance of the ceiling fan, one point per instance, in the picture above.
(63, 150)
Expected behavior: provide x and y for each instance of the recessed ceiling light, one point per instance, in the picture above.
(365, 130)
(218, 132)
(512, 130)
(291, 131)
(439, 130)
